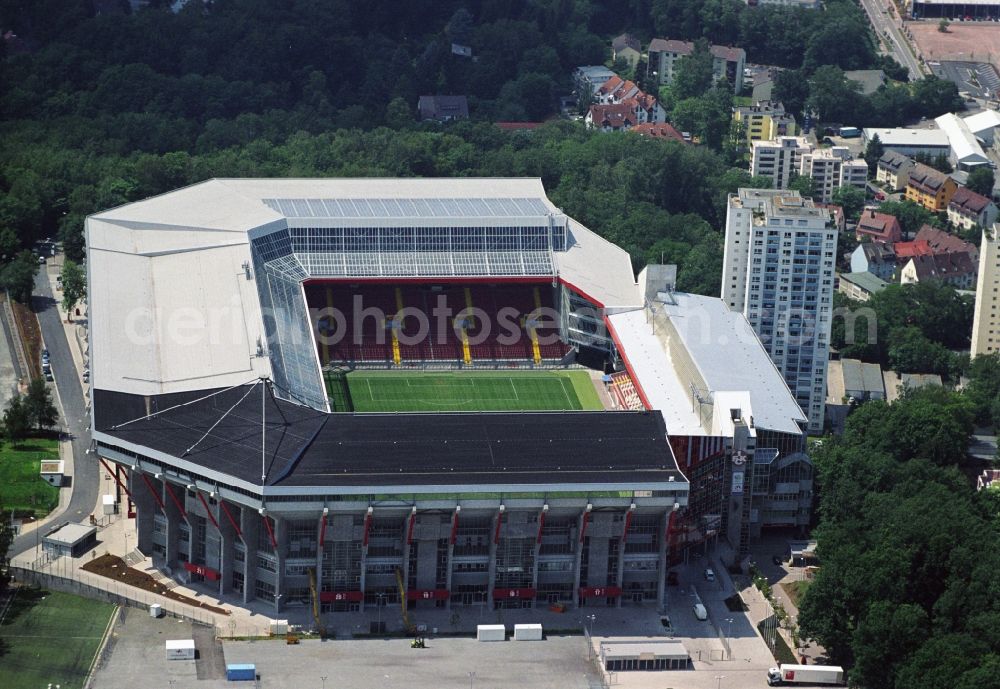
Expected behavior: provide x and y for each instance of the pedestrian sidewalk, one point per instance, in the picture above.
(76, 330)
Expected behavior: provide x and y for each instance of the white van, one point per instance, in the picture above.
(709, 575)
(700, 612)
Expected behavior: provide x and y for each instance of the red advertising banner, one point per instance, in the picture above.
(432, 594)
(335, 596)
(600, 592)
(499, 594)
(202, 570)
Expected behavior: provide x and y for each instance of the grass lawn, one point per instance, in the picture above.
(796, 590)
(21, 487)
(50, 637)
(404, 391)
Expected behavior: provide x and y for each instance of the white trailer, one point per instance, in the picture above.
(527, 632)
(491, 632)
(180, 649)
(805, 674)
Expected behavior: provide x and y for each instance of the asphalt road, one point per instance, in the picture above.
(86, 475)
(888, 23)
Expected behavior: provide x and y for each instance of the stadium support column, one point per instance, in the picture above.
(451, 553)
(620, 577)
(663, 562)
(494, 541)
(251, 526)
(281, 536)
(366, 531)
(583, 521)
(322, 525)
(538, 549)
(145, 509)
(227, 554)
(171, 509)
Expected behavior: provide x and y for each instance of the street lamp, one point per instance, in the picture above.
(591, 619)
(378, 606)
(719, 679)
(472, 677)
(323, 680)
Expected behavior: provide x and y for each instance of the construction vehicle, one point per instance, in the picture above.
(805, 674)
(315, 603)
(407, 625)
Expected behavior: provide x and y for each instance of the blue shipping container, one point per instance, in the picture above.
(239, 672)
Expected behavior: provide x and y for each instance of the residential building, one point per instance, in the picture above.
(591, 77)
(664, 54)
(875, 258)
(833, 168)
(941, 242)
(836, 214)
(659, 131)
(967, 209)
(734, 426)
(956, 269)
(894, 170)
(868, 80)
(910, 142)
(616, 117)
(618, 91)
(626, 47)
(778, 270)
(931, 188)
(443, 108)
(880, 227)
(779, 158)
(860, 286)
(907, 250)
(986, 321)
(766, 120)
(966, 151)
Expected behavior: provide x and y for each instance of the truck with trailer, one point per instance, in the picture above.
(805, 674)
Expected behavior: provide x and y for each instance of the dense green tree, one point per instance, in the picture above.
(851, 199)
(981, 181)
(18, 276)
(983, 388)
(694, 73)
(910, 351)
(873, 153)
(911, 216)
(803, 184)
(74, 286)
(16, 420)
(833, 96)
(37, 403)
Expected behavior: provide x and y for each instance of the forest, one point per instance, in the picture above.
(103, 108)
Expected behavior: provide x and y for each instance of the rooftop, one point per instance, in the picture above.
(219, 432)
(866, 281)
(966, 200)
(894, 160)
(863, 377)
(900, 136)
(963, 142)
(69, 534)
(690, 341)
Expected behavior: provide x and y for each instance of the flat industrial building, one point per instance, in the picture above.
(221, 394)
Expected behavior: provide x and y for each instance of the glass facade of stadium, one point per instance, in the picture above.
(451, 550)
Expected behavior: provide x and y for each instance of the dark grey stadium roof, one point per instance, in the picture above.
(306, 447)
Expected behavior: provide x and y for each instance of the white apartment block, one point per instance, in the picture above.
(832, 168)
(778, 270)
(986, 322)
(778, 158)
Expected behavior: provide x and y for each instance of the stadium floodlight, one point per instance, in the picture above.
(262, 511)
(326, 511)
(458, 508)
(590, 507)
(502, 508)
(545, 507)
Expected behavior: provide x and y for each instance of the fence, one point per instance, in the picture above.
(69, 581)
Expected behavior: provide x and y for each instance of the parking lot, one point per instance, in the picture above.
(136, 656)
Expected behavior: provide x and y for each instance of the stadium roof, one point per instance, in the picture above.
(692, 346)
(173, 301)
(218, 434)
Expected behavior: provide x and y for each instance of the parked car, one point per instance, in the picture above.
(709, 575)
(48, 375)
(880, 196)
(45, 355)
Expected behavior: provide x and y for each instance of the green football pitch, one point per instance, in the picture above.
(405, 391)
(50, 638)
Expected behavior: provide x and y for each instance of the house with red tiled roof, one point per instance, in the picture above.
(614, 117)
(907, 250)
(968, 209)
(617, 91)
(942, 242)
(664, 54)
(880, 227)
(658, 131)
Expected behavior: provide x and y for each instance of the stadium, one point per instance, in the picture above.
(350, 392)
